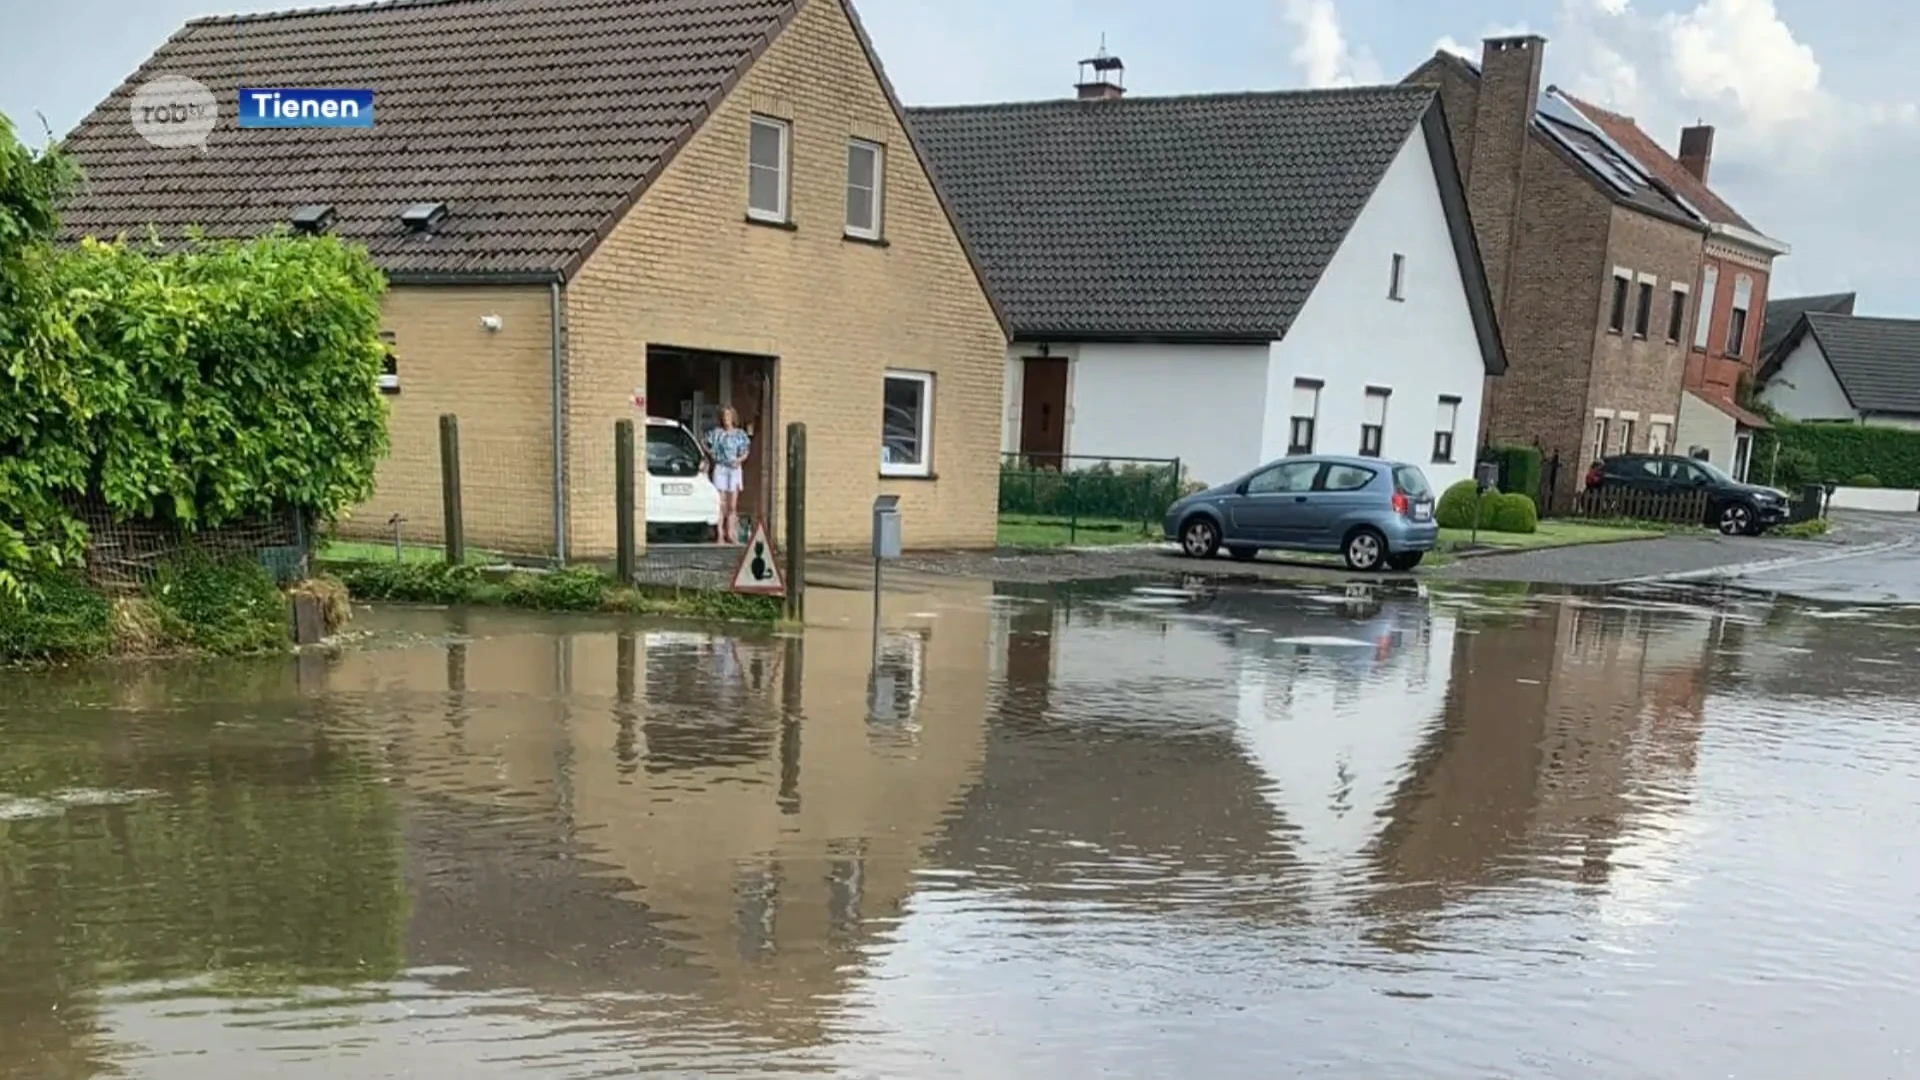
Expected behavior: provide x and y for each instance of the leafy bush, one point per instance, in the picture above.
(1816, 453)
(1510, 512)
(1131, 492)
(1803, 530)
(54, 616)
(226, 606)
(412, 583)
(197, 383)
(1865, 479)
(576, 588)
(1455, 509)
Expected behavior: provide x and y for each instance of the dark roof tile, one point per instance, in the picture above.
(533, 120)
(1205, 216)
(1876, 360)
(1783, 314)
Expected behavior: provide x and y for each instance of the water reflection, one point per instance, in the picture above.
(1139, 830)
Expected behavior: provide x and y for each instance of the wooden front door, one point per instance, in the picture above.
(1043, 409)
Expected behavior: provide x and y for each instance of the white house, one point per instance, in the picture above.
(1848, 368)
(1226, 279)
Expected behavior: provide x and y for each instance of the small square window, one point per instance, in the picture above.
(1397, 286)
(390, 364)
(866, 172)
(1643, 311)
(767, 170)
(906, 424)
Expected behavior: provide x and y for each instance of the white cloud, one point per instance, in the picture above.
(1471, 49)
(1796, 157)
(1322, 53)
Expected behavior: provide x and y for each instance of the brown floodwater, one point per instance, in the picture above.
(1142, 831)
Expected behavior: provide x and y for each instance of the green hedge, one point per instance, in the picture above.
(1128, 493)
(1818, 453)
(1455, 509)
(1519, 467)
(225, 606)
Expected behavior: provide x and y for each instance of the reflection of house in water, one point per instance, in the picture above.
(1563, 725)
(610, 811)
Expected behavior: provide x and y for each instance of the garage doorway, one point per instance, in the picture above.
(691, 386)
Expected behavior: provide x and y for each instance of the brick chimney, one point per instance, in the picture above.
(1102, 77)
(1502, 125)
(1696, 150)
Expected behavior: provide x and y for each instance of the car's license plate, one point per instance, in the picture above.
(676, 489)
(1423, 511)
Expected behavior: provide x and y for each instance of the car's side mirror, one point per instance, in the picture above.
(1241, 487)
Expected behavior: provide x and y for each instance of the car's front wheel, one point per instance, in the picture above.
(1736, 519)
(1365, 550)
(1199, 538)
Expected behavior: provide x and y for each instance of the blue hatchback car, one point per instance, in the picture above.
(1376, 514)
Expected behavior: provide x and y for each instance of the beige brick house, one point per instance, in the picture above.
(686, 203)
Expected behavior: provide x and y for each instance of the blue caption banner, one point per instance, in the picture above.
(280, 107)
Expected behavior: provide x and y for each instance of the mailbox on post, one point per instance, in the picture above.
(886, 527)
(886, 545)
(1486, 475)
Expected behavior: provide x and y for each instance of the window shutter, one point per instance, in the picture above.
(1306, 399)
(1703, 318)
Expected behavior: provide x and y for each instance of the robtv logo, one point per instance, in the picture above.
(262, 107)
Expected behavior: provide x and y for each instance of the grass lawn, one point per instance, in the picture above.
(1026, 531)
(1553, 533)
(363, 551)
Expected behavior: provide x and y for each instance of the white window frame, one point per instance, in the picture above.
(923, 467)
(1659, 436)
(876, 195)
(778, 216)
(1397, 283)
(1703, 311)
(1311, 416)
(1449, 409)
(1384, 395)
(1737, 334)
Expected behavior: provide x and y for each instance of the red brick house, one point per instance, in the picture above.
(1730, 295)
(1592, 258)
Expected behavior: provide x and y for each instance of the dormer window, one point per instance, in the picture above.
(423, 217)
(312, 220)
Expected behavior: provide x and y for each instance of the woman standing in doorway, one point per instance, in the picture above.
(729, 446)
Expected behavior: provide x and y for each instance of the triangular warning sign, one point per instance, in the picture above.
(759, 569)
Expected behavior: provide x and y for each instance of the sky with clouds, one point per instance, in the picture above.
(1817, 109)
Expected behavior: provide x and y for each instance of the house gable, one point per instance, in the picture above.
(685, 267)
(1802, 384)
(1352, 334)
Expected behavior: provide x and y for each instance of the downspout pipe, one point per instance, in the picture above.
(559, 433)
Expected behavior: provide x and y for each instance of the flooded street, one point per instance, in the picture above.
(1138, 831)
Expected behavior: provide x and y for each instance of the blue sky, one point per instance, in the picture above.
(1819, 141)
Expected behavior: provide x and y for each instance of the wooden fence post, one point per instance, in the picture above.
(796, 530)
(455, 534)
(623, 567)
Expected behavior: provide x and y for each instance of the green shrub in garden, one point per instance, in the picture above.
(1510, 512)
(226, 606)
(1865, 479)
(576, 588)
(1455, 509)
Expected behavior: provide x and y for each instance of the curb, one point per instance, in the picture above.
(1733, 570)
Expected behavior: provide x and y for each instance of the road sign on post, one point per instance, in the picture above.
(758, 571)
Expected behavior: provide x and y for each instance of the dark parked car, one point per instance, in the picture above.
(1376, 514)
(1734, 507)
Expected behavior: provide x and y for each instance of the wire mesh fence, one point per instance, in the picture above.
(126, 555)
(1088, 497)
